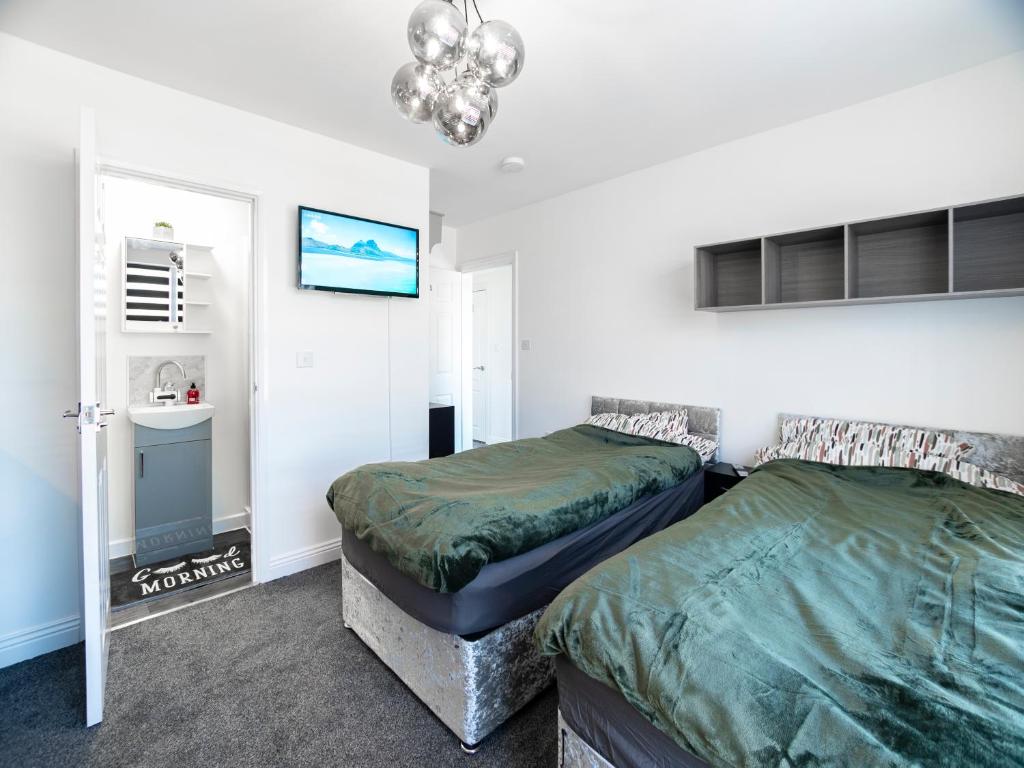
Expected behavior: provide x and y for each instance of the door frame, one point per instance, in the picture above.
(506, 258)
(257, 330)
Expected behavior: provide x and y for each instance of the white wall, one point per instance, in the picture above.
(497, 282)
(318, 422)
(129, 209)
(605, 277)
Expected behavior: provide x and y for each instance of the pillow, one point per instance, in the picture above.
(667, 426)
(971, 474)
(887, 437)
(704, 446)
(871, 455)
(614, 421)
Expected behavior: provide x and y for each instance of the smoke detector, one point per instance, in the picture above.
(512, 164)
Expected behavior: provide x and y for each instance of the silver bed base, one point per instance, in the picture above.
(472, 686)
(574, 752)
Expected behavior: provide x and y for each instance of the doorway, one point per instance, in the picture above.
(490, 369)
(180, 512)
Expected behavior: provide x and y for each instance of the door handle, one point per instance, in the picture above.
(478, 368)
(107, 412)
(72, 414)
(142, 463)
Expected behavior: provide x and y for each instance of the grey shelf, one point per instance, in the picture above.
(729, 275)
(988, 246)
(901, 256)
(961, 252)
(804, 266)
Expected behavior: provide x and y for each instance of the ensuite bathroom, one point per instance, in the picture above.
(178, 264)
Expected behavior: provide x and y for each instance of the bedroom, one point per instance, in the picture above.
(830, 115)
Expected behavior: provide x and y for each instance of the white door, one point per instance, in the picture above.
(92, 312)
(481, 347)
(446, 342)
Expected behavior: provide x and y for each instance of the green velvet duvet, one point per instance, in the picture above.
(818, 615)
(441, 521)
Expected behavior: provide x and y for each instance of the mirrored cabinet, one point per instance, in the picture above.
(166, 286)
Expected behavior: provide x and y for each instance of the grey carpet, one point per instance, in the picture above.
(263, 677)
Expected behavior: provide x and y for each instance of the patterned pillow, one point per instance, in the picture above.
(614, 421)
(872, 455)
(887, 438)
(704, 446)
(971, 474)
(667, 426)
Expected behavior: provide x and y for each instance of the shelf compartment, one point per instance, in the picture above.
(729, 275)
(988, 246)
(804, 266)
(900, 256)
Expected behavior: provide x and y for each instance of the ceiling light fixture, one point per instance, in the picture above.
(463, 106)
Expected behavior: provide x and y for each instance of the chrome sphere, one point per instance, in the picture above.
(463, 113)
(437, 33)
(495, 52)
(472, 82)
(415, 90)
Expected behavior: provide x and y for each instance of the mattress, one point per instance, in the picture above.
(612, 727)
(508, 589)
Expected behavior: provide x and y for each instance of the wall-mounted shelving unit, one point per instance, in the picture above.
(966, 251)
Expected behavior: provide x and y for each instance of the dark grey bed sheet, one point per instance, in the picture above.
(511, 588)
(612, 726)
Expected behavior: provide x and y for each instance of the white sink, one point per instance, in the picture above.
(170, 416)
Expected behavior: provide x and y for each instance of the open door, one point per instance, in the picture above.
(89, 415)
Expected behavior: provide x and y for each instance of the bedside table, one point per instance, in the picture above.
(720, 477)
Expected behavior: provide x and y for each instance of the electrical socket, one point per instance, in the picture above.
(304, 359)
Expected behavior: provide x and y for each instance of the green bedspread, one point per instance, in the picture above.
(818, 615)
(441, 521)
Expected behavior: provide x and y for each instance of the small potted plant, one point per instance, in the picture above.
(163, 230)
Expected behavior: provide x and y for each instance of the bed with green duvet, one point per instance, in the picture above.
(813, 615)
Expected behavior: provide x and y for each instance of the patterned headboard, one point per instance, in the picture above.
(703, 420)
(1002, 454)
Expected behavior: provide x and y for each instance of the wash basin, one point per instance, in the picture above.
(170, 416)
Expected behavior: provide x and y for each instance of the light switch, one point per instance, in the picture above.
(524, 345)
(304, 359)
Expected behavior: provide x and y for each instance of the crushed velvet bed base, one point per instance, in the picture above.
(472, 685)
(574, 752)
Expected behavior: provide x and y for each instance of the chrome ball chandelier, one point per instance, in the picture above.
(454, 79)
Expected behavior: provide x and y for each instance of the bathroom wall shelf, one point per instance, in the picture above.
(961, 252)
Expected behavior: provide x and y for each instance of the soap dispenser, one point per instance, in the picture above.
(193, 395)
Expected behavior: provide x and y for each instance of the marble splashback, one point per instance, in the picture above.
(142, 376)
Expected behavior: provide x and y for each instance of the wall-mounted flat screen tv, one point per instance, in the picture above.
(354, 255)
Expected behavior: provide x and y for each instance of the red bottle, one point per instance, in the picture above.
(193, 395)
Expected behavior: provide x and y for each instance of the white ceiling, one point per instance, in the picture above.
(608, 87)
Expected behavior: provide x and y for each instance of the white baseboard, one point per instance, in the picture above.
(35, 641)
(125, 547)
(301, 559)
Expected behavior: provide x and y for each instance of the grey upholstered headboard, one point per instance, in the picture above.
(1002, 454)
(703, 420)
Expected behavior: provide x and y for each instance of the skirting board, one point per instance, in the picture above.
(301, 559)
(125, 547)
(28, 643)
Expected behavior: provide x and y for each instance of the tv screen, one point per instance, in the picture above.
(354, 255)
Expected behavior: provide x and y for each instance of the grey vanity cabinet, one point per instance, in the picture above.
(173, 492)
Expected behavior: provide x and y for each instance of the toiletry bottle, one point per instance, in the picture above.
(193, 395)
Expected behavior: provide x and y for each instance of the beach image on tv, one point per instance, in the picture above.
(350, 254)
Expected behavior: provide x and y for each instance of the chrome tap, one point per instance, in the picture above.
(168, 386)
